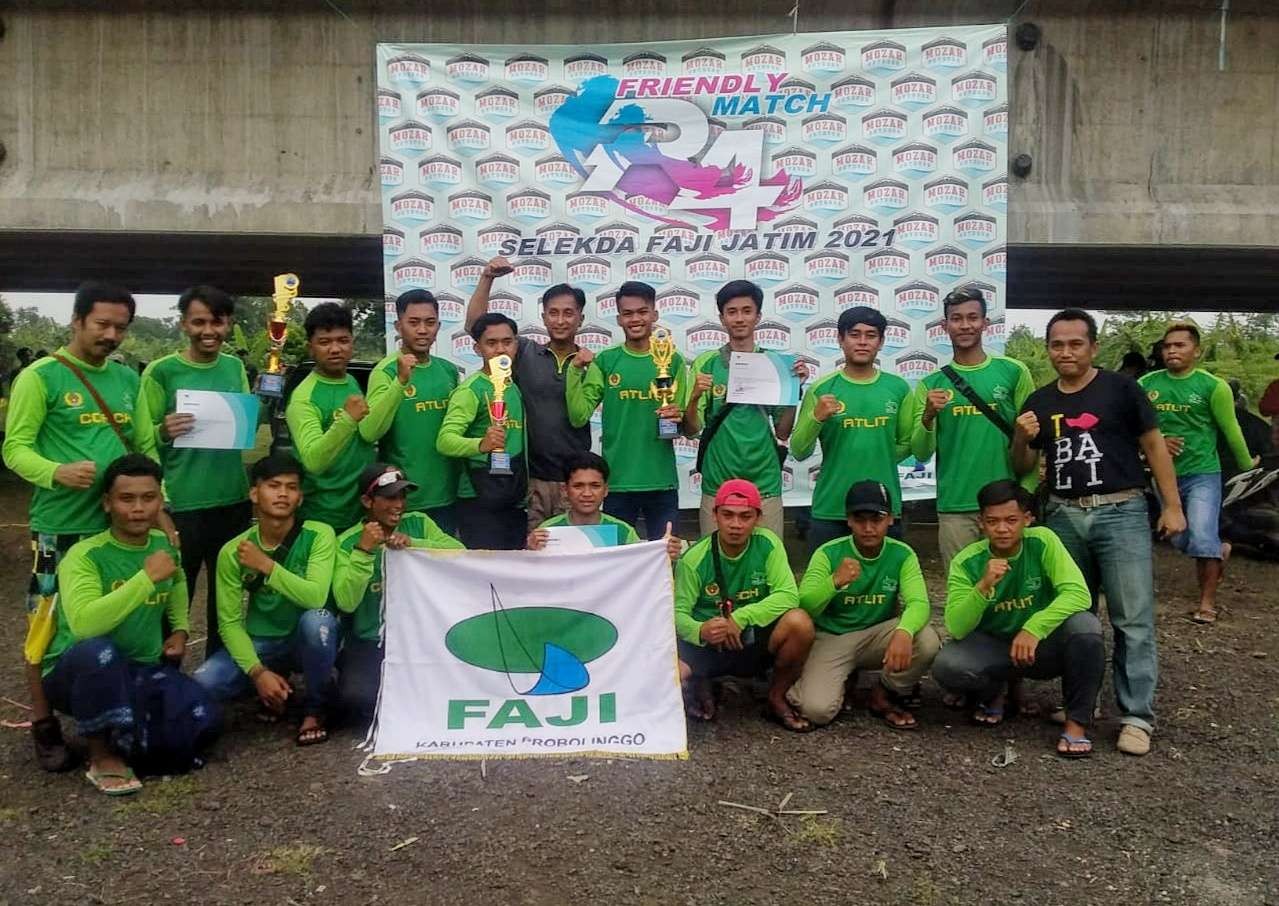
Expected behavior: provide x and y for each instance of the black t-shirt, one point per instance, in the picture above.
(552, 441)
(1091, 437)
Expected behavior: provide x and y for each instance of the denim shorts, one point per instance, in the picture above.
(1201, 501)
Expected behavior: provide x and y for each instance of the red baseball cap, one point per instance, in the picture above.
(738, 492)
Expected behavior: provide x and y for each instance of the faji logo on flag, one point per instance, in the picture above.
(529, 653)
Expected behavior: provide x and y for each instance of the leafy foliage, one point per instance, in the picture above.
(1235, 347)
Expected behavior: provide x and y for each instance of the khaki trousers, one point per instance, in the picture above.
(955, 531)
(773, 518)
(545, 499)
(819, 693)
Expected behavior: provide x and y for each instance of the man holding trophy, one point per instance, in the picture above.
(643, 385)
(484, 427)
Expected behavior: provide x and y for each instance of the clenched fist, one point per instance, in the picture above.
(847, 572)
(935, 402)
(996, 569)
(370, 537)
(827, 405)
(356, 407)
(497, 267)
(159, 566)
(1027, 426)
(404, 366)
(583, 358)
(78, 475)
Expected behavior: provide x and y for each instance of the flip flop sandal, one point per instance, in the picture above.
(885, 713)
(1075, 741)
(986, 711)
(312, 736)
(1204, 617)
(133, 784)
(774, 717)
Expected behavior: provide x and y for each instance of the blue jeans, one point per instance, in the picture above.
(93, 683)
(657, 507)
(1201, 500)
(313, 648)
(1111, 544)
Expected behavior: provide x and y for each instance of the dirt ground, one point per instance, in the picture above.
(920, 818)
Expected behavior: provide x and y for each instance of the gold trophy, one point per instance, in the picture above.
(500, 375)
(662, 348)
(271, 381)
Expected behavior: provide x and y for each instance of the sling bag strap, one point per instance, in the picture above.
(712, 426)
(725, 602)
(279, 555)
(982, 406)
(97, 399)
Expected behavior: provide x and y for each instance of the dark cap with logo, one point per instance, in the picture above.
(868, 497)
(381, 480)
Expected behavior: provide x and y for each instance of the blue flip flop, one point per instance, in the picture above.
(987, 711)
(1074, 741)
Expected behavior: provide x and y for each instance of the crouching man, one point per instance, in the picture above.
(737, 609)
(284, 566)
(115, 590)
(866, 595)
(1017, 605)
(357, 579)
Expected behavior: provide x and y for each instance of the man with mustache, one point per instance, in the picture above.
(70, 416)
(1094, 426)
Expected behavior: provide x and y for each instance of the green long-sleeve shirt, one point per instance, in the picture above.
(889, 582)
(971, 451)
(357, 575)
(53, 420)
(638, 459)
(626, 533)
(1042, 587)
(301, 582)
(103, 590)
(467, 420)
(194, 479)
(409, 439)
(759, 582)
(1196, 406)
(865, 439)
(333, 447)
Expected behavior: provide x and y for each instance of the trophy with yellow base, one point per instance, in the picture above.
(271, 381)
(664, 388)
(500, 375)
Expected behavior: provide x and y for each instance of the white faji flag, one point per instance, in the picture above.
(519, 653)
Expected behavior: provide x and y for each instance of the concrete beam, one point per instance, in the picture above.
(174, 115)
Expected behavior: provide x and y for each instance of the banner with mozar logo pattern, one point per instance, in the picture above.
(836, 169)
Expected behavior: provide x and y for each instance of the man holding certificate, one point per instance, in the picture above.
(206, 487)
(740, 439)
(484, 427)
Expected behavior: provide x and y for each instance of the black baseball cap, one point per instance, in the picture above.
(868, 497)
(381, 480)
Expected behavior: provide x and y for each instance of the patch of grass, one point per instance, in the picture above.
(97, 853)
(818, 831)
(8, 814)
(160, 797)
(296, 859)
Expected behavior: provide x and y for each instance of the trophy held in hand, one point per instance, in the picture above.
(271, 381)
(500, 375)
(664, 387)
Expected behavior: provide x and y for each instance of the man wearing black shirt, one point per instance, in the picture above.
(539, 373)
(1093, 426)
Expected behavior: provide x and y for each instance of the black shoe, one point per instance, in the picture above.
(51, 749)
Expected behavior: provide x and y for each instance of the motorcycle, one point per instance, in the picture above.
(1250, 509)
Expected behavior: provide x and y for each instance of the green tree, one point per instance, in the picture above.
(1027, 348)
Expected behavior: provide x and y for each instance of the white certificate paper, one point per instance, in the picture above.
(223, 421)
(762, 379)
(575, 539)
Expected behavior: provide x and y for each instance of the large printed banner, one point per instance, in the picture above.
(852, 168)
(513, 654)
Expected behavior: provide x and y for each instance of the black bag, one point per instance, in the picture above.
(176, 721)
